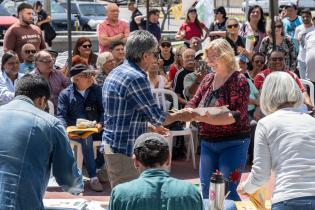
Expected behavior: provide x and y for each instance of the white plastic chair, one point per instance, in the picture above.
(160, 97)
(311, 87)
(76, 146)
(61, 60)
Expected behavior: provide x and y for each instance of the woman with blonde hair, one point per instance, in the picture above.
(285, 144)
(224, 137)
(178, 63)
(105, 64)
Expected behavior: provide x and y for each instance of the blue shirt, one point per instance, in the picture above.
(72, 105)
(26, 67)
(289, 29)
(154, 28)
(32, 142)
(128, 107)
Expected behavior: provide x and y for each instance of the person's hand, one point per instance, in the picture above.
(240, 189)
(187, 114)
(200, 75)
(161, 130)
(99, 127)
(161, 63)
(241, 50)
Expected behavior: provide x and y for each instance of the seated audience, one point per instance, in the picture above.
(28, 52)
(156, 80)
(178, 63)
(83, 99)
(188, 67)
(10, 70)
(195, 43)
(284, 144)
(105, 64)
(257, 65)
(83, 48)
(166, 56)
(34, 145)
(154, 189)
(44, 65)
(117, 48)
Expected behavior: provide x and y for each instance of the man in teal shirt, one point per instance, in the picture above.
(154, 189)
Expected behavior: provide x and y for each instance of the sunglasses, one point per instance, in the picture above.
(258, 61)
(168, 45)
(233, 26)
(30, 51)
(277, 59)
(278, 26)
(86, 46)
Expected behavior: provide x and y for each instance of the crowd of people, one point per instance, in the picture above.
(228, 64)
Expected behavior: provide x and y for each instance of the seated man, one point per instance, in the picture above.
(32, 143)
(28, 52)
(154, 189)
(83, 99)
(118, 51)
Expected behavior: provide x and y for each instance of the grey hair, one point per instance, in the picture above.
(279, 90)
(139, 42)
(102, 58)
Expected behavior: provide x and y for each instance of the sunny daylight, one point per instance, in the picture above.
(157, 104)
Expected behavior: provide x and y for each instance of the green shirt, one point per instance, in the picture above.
(155, 190)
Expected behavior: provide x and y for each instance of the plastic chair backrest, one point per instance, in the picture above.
(160, 98)
(311, 87)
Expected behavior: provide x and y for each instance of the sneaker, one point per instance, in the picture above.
(96, 185)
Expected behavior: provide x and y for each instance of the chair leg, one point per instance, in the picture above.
(170, 144)
(192, 145)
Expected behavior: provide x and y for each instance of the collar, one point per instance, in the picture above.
(154, 172)
(108, 23)
(134, 65)
(24, 98)
(6, 77)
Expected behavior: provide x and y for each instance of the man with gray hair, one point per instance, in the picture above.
(129, 106)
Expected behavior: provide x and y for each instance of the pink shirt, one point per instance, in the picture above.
(109, 30)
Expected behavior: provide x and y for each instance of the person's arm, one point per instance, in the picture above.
(217, 33)
(64, 166)
(126, 32)
(261, 168)
(9, 40)
(104, 39)
(62, 108)
(139, 18)
(46, 19)
(180, 33)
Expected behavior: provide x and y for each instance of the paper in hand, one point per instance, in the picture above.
(211, 110)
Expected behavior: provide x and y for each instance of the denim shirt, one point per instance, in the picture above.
(32, 142)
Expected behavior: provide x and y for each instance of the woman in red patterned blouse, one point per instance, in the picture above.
(224, 137)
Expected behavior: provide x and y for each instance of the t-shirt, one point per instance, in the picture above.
(260, 78)
(42, 15)
(26, 67)
(179, 81)
(192, 30)
(154, 28)
(132, 24)
(216, 26)
(240, 42)
(310, 56)
(290, 27)
(300, 34)
(18, 35)
(167, 63)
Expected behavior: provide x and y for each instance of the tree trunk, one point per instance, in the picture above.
(165, 12)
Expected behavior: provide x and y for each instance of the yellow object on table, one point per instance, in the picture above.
(81, 133)
(248, 205)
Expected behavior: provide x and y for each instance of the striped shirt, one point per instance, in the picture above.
(128, 107)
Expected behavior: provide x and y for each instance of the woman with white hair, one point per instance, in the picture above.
(284, 143)
(105, 64)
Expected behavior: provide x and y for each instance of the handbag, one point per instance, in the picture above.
(50, 33)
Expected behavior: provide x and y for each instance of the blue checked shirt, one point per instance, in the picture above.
(128, 107)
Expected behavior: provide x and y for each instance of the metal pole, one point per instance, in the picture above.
(272, 5)
(148, 9)
(69, 27)
(47, 6)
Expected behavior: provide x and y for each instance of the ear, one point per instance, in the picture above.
(136, 163)
(40, 102)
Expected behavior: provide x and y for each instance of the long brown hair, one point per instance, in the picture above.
(193, 9)
(78, 44)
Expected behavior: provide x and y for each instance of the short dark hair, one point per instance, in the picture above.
(152, 154)
(6, 56)
(115, 44)
(306, 11)
(153, 11)
(32, 86)
(23, 6)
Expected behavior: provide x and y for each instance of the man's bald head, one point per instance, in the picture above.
(28, 51)
(112, 12)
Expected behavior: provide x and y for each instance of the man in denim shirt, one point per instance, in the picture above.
(32, 142)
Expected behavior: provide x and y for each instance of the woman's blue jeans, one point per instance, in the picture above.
(229, 157)
(303, 203)
(88, 155)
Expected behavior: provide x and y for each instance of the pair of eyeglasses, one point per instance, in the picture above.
(258, 61)
(279, 26)
(30, 51)
(232, 26)
(46, 61)
(86, 46)
(168, 45)
(276, 59)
